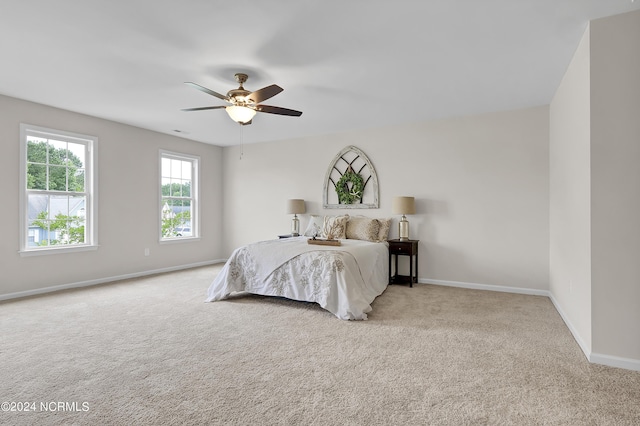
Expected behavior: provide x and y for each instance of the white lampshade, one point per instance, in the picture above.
(240, 114)
(404, 205)
(295, 206)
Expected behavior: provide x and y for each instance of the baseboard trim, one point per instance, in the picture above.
(105, 280)
(615, 361)
(475, 286)
(574, 332)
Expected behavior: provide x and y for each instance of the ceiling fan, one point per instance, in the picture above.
(245, 104)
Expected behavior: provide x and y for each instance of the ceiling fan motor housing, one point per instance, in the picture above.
(241, 77)
(239, 95)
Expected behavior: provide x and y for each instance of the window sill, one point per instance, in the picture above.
(57, 250)
(179, 240)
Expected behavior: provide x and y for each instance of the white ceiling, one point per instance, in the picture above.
(347, 64)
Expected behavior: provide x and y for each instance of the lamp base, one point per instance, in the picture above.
(403, 229)
(295, 226)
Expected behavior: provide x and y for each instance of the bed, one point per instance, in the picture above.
(343, 279)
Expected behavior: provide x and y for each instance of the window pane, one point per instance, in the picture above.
(185, 212)
(168, 215)
(38, 207)
(77, 205)
(186, 170)
(184, 219)
(186, 189)
(57, 178)
(76, 182)
(38, 233)
(57, 152)
(59, 206)
(36, 176)
(75, 231)
(76, 164)
(76, 154)
(166, 186)
(36, 150)
(176, 168)
(176, 190)
(32, 238)
(38, 220)
(166, 168)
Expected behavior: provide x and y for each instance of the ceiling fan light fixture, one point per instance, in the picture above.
(240, 114)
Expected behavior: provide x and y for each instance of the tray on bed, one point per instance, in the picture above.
(323, 242)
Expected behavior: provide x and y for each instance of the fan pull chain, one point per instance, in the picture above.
(241, 141)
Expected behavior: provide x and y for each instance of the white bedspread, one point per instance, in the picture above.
(342, 279)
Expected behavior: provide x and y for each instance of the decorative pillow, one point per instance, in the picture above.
(335, 226)
(314, 228)
(383, 232)
(363, 228)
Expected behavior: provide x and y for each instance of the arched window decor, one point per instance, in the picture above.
(351, 181)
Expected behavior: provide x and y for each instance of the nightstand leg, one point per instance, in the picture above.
(396, 271)
(411, 271)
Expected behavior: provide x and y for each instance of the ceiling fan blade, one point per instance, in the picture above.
(265, 93)
(278, 110)
(207, 91)
(203, 108)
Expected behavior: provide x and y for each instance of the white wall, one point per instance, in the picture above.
(615, 169)
(570, 196)
(127, 205)
(481, 187)
(595, 192)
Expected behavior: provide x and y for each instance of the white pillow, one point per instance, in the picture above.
(314, 228)
(335, 227)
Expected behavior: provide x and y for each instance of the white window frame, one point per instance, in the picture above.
(91, 190)
(195, 195)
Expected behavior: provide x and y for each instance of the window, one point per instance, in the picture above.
(178, 196)
(58, 191)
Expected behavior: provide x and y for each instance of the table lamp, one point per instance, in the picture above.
(404, 206)
(295, 206)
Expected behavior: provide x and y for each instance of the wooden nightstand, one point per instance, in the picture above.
(403, 248)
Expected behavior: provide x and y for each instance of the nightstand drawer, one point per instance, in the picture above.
(403, 247)
(400, 248)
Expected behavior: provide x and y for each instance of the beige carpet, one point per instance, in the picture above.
(149, 351)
